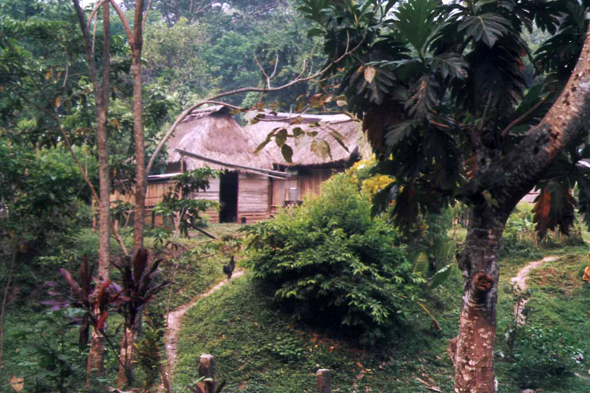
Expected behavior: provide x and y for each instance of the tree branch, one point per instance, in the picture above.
(147, 12)
(123, 20)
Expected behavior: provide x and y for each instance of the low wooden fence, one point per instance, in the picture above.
(323, 378)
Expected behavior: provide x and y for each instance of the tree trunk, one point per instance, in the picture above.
(140, 172)
(499, 184)
(126, 357)
(101, 97)
(104, 259)
(473, 349)
(15, 245)
(95, 358)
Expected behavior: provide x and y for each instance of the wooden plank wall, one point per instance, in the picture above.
(253, 197)
(156, 190)
(153, 196)
(211, 194)
(308, 186)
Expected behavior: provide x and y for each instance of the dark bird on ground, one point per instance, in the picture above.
(229, 268)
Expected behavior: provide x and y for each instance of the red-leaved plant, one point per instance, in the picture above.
(87, 295)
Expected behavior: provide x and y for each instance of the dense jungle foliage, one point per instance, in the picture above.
(333, 283)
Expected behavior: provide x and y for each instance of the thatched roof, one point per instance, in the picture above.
(345, 126)
(214, 134)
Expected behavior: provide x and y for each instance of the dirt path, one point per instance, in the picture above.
(175, 318)
(519, 285)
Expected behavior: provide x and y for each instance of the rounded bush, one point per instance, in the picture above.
(328, 262)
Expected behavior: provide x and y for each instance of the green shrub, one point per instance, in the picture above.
(542, 353)
(328, 262)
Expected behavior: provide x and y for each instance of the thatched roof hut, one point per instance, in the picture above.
(327, 127)
(213, 134)
(253, 186)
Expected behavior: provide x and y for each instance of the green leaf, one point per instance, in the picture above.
(262, 146)
(298, 132)
(315, 32)
(399, 131)
(416, 20)
(421, 265)
(339, 138)
(440, 276)
(281, 137)
(487, 28)
(448, 250)
(287, 152)
(451, 64)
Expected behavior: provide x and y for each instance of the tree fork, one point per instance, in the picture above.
(507, 179)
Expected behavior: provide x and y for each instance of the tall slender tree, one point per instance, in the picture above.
(101, 97)
(444, 102)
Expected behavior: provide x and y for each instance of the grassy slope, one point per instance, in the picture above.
(195, 274)
(260, 350)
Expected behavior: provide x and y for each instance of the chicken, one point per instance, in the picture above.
(229, 268)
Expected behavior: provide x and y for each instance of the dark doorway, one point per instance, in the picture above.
(228, 197)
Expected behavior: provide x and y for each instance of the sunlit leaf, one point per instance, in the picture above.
(370, 74)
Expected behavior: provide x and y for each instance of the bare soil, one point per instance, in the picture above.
(175, 319)
(519, 285)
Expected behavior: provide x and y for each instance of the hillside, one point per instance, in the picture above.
(258, 349)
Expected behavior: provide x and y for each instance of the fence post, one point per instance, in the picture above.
(207, 370)
(323, 381)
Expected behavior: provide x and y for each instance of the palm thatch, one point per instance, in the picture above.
(330, 128)
(214, 134)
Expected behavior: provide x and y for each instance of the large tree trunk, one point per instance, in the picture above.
(140, 173)
(499, 184)
(473, 349)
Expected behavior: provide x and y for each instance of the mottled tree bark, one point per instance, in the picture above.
(499, 184)
(140, 170)
(473, 349)
(125, 376)
(101, 97)
(136, 44)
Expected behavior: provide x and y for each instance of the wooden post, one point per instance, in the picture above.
(323, 381)
(207, 370)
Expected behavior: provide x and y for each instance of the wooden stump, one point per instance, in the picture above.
(207, 370)
(323, 381)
